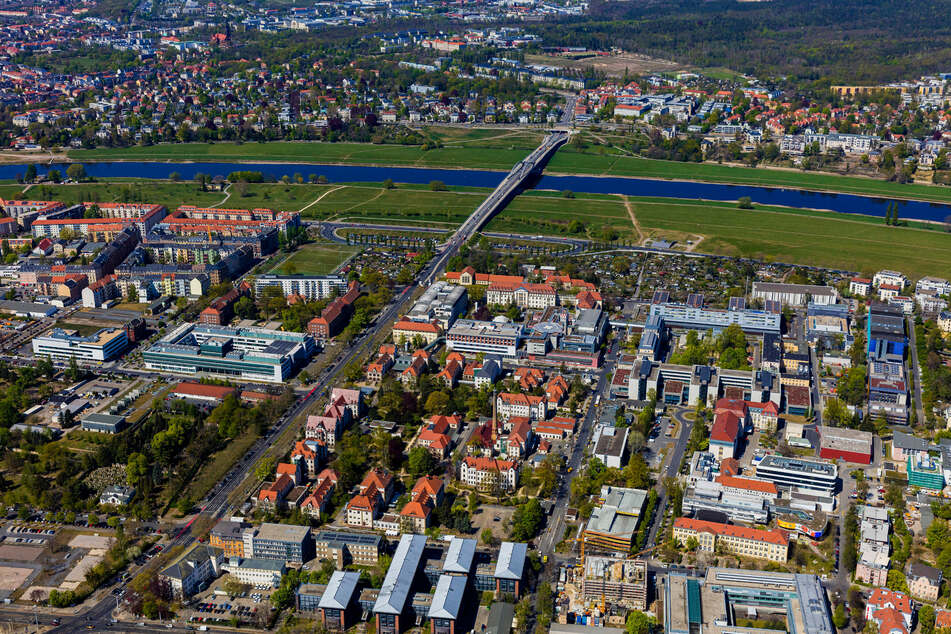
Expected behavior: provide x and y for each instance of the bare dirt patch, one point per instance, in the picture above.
(103, 542)
(485, 518)
(16, 552)
(12, 577)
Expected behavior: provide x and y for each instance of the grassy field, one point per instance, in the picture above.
(779, 234)
(218, 465)
(81, 329)
(454, 155)
(576, 163)
(319, 258)
(404, 205)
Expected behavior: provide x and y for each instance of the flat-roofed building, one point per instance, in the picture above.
(265, 573)
(709, 605)
(228, 535)
(850, 445)
(700, 318)
(795, 294)
(470, 336)
(105, 344)
(283, 542)
(310, 287)
(102, 423)
(251, 354)
(345, 547)
(613, 523)
(812, 475)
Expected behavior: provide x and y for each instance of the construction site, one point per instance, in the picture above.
(600, 590)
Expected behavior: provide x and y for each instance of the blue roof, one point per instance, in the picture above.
(460, 555)
(447, 599)
(339, 590)
(399, 577)
(511, 561)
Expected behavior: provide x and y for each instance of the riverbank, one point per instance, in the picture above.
(566, 162)
(771, 233)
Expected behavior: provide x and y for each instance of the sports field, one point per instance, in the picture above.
(315, 259)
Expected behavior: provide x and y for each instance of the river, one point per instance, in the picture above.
(843, 203)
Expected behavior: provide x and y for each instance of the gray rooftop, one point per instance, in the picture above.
(447, 600)
(511, 562)
(339, 590)
(399, 577)
(282, 532)
(460, 555)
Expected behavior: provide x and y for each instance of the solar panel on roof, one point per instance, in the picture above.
(695, 300)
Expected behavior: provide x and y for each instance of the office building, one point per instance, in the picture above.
(610, 445)
(714, 604)
(104, 345)
(795, 294)
(310, 287)
(344, 547)
(700, 318)
(194, 570)
(337, 604)
(447, 604)
(810, 475)
(738, 507)
(228, 535)
(739, 540)
(885, 333)
(442, 303)
(283, 542)
(470, 336)
(252, 354)
(259, 573)
(391, 607)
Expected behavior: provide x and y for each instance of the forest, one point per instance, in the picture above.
(802, 41)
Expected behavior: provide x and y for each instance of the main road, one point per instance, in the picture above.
(99, 615)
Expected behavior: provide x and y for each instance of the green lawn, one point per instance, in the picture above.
(498, 158)
(404, 205)
(769, 233)
(570, 162)
(500, 149)
(315, 259)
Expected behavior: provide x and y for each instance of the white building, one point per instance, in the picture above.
(933, 284)
(891, 278)
(484, 473)
(470, 336)
(260, 573)
(310, 287)
(104, 345)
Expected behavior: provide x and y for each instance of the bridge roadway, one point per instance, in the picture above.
(99, 615)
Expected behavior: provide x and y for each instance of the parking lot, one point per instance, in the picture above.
(215, 606)
(495, 518)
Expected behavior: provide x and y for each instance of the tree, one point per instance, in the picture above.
(896, 581)
(926, 618)
(388, 184)
(437, 186)
(638, 623)
(745, 202)
(76, 172)
(437, 403)
(264, 467)
(487, 537)
(527, 520)
(839, 618)
(420, 462)
(30, 175)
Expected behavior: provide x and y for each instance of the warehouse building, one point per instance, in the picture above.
(850, 445)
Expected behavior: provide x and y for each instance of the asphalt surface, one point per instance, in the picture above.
(99, 616)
